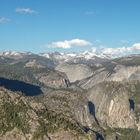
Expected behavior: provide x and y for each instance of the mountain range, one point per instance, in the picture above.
(60, 57)
(69, 96)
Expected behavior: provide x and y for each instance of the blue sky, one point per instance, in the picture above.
(77, 25)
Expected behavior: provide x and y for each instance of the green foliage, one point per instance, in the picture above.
(128, 134)
(56, 121)
(41, 130)
(12, 116)
(122, 133)
(51, 122)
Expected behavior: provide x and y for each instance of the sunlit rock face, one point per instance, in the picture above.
(118, 73)
(112, 106)
(75, 71)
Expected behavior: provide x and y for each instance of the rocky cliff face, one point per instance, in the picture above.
(112, 106)
(75, 71)
(125, 73)
(118, 73)
(53, 79)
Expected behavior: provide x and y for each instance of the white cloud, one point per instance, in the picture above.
(102, 50)
(4, 20)
(25, 10)
(66, 44)
(94, 50)
(135, 48)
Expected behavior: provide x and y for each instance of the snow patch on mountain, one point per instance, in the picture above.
(14, 54)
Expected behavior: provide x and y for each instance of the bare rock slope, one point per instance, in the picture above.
(75, 71)
(119, 73)
(112, 106)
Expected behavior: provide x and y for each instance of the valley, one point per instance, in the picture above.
(69, 97)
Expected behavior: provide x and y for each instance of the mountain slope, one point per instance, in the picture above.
(27, 118)
(44, 98)
(121, 69)
(75, 71)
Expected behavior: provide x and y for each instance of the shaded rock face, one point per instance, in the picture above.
(111, 105)
(75, 72)
(53, 79)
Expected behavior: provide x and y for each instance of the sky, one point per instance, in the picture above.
(70, 25)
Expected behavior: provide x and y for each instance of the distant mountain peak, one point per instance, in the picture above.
(89, 57)
(14, 54)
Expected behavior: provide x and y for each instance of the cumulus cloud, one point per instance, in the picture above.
(136, 46)
(67, 44)
(4, 20)
(122, 50)
(25, 10)
(104, 51)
